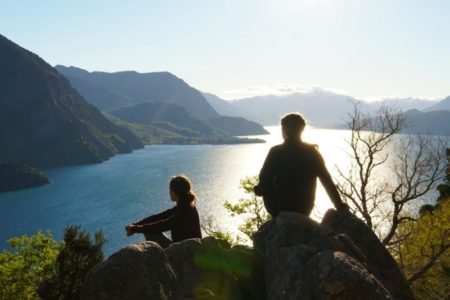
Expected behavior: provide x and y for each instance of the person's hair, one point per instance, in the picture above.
(293, 124)
(181, 185)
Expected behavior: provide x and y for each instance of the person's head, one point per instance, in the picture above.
(181, 190)
(292, 126)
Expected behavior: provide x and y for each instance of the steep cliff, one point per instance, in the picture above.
(45, 122)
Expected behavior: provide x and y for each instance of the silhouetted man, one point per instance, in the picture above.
(288, 178)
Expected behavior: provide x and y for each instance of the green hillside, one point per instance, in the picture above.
(162, 123)
(45, 122)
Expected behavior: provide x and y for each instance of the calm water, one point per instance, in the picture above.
(128, 187)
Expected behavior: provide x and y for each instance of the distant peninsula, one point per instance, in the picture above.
(169, 123)
(15, 176)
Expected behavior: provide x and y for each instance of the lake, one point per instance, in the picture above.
(129, 187)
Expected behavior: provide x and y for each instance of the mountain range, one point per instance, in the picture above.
(324, 108)
(48, 120)
(118, 92)
(172, 117)
(45, 122)
(130, 87)
(441, 105)
(320, 107)
(435, 122)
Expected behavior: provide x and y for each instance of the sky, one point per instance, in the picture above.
(368, 49)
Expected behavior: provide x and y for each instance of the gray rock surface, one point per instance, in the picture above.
(181, 258)
(293, 257)
(202, 268)
(335, 275)
(304, 260)
(380, 262)
(138, 271)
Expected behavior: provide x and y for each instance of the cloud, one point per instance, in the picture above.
(288, 89)
(400, 98)
(277, 90)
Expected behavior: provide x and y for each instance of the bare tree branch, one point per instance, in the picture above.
(432, 260)
(415, 163)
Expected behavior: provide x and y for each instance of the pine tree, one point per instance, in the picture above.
(78, 255)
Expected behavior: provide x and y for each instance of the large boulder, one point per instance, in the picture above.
(293, 257)
(380, 262)
(181, 257)
(243, 262)
(335, 275)
(203, 269)
(138, 271)
(304, 260)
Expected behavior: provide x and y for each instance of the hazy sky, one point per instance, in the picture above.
(366, 48)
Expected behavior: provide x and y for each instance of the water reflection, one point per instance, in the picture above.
(332, 145)
(127, 187)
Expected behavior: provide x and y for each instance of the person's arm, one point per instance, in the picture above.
(330, 187)
(160, 225)
(266, 175)
(157, 217)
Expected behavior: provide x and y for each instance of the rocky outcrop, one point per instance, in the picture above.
(202, 268)
(138, 271)
(304, 260)
(379, 262)
(192, 269)
(293, 257)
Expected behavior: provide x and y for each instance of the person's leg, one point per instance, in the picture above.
(159, 238)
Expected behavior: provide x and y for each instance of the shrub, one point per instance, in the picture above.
(31, 260)
(76, 257)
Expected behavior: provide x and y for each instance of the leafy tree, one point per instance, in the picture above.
(77, 256)
(211, 228)
(425, 255)
(250, 208)
(30, 261)
(444, 188)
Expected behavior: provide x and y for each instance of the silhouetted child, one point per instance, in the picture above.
(182, 220)
(287, 180)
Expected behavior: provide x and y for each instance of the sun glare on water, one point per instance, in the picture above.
(248, 160)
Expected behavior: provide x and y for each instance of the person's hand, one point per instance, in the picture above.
(257, 190)
(129, 230)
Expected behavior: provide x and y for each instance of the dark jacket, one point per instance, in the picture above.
(182, 220)
(288, 178)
